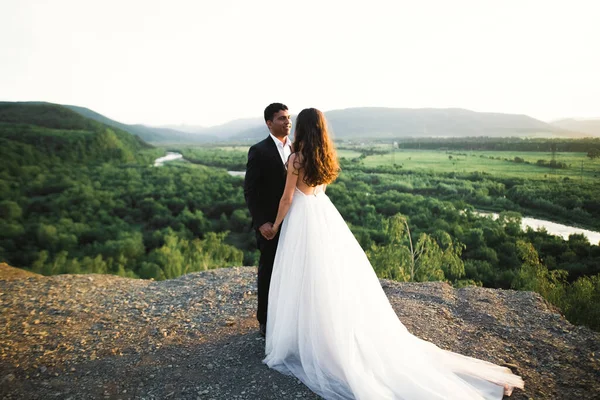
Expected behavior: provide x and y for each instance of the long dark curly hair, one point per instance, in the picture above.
(312, 141)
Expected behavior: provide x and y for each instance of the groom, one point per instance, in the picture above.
(263, 188)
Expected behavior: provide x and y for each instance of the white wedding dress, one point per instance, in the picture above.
(331, 325)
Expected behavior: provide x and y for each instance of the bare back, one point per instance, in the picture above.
(302, 186)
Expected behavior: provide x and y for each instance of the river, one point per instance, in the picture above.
(169, 157)
(172, 156)
(237, 173)
(553, 228)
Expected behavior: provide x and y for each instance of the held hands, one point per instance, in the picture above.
(268, 231)
(275, 229)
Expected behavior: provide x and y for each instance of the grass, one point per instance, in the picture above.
(498, 163)
(243, 149)
(349, 154)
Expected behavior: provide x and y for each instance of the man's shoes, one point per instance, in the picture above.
(263, 330)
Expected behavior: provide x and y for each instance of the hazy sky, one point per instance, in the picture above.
(207, 62)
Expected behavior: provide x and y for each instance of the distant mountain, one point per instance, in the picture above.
(43, 114)
(433, 122)
(165, 134)
(377, 122)
(589, 126)
(224, 132)
(236, 127)
(147, 133)
(364, 123)
(184, 128)
(35, 132)
(221, 132)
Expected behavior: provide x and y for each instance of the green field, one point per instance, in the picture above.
(235, 148)
(349, 154)
(498, 163)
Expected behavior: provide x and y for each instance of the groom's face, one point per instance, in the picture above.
(281, 125)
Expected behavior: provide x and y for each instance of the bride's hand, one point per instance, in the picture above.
(267, 230)
(275, 229)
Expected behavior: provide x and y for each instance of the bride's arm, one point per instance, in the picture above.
(288, 192)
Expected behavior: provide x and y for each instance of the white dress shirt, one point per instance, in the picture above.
(284, 149)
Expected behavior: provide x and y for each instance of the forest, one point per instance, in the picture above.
(85, 198)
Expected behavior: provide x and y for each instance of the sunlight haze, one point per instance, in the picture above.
(205, 62)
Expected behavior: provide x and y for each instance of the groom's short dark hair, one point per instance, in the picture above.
(273, 109)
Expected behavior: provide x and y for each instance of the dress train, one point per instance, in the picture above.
(331, 325)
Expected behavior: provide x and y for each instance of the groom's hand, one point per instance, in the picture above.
(266, 230)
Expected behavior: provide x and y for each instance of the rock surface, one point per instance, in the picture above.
(195, 337)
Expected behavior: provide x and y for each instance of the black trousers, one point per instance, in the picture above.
(267, 250)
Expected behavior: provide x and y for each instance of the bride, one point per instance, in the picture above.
(330, 323)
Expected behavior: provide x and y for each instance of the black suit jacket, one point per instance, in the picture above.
(264, 182)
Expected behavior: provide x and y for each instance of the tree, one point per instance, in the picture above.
(452, 264)
(535, 276)
(180, 256)
(582, 303)
(9, 210)
(594, 153)
(403, 259)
